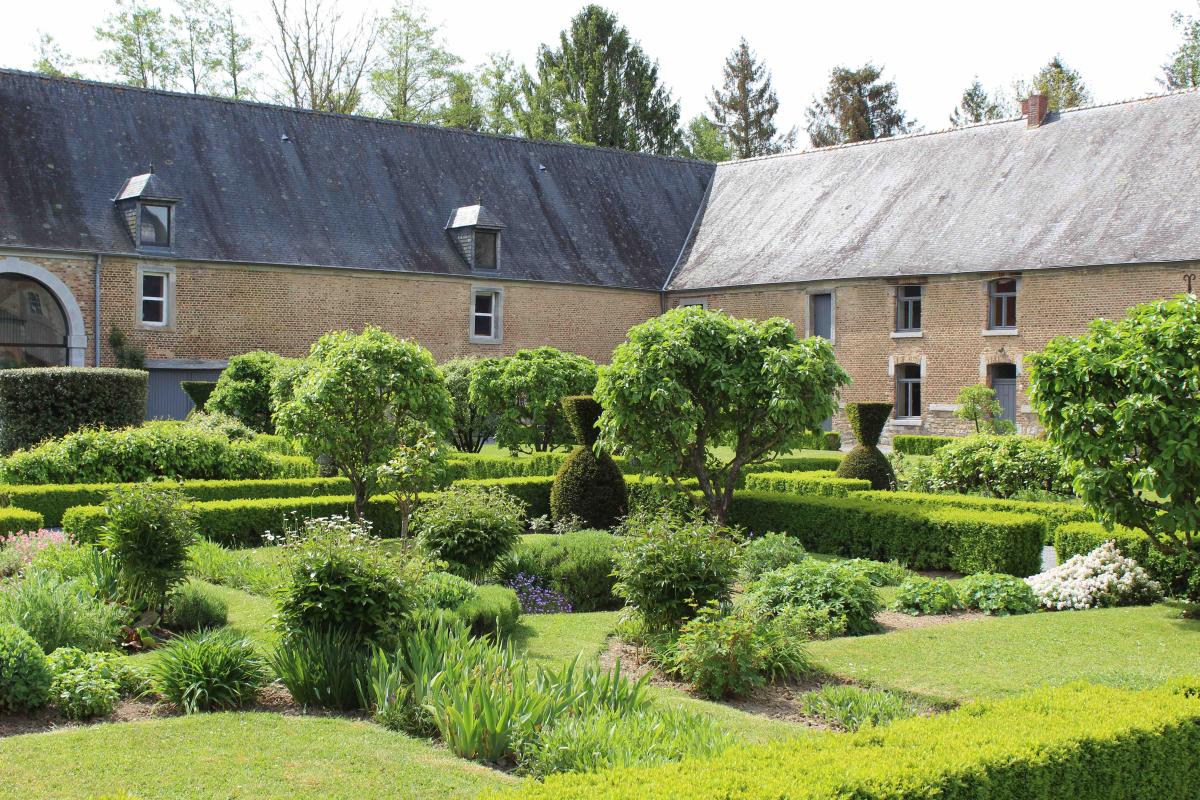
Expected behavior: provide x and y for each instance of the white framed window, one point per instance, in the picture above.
(909, 299)
(688, 302)
(487, 306)
(154, 225)
(908, 391)
(1002, 304)
(154, 296)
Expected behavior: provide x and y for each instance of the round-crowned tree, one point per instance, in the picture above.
(690, 386)
(244, 389)
(866, 461)
(588, 484)
(472, 425)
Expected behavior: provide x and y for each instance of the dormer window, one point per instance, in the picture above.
(154, 228)
(486, 246)
(475, 233)
(147, 207)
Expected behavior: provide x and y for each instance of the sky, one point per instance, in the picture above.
(930, 48)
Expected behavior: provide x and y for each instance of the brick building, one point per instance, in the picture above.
(202, 228)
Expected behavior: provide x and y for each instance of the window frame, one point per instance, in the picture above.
(905, 306)
(170, 209)
(689, 302)
(810, 329)
(493, 232)
(497, 315)
(904, 391)
(167, 299)
(1009, 301)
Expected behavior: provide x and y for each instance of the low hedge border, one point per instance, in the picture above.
(820, 482)
(938, 537)
(243, 522)
(1052, 514)
(1076, 741)
(20, 519)
(912, 444)
(1177, 574)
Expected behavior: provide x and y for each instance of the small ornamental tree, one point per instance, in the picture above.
(978, 404)
(866, 461)
(417, 465)
(589, 485)
(1122, 403)
(355, 398)
(525, 390)
(692, 380)
(471, 425)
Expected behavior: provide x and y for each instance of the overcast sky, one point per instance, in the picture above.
(932, 49)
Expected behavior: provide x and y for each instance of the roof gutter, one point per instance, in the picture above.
(662, 293)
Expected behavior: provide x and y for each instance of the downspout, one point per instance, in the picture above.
(96, 310)
(662, 293)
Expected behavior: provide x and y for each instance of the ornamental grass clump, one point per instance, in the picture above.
(210, 671)
(1101, 578)
(851, 707)
(60, 613)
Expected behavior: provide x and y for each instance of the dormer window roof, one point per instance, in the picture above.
(147, 206)
(476, 234)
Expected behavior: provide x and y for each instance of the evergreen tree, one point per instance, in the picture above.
(1062, 85)
(51, 60)
(196, 44)
(602, 88)
(703, 139)
(413, 79)
(856, 107)
(978, 106)
(1183, 70)
(139, 46)
(745, 109)
(236, 55)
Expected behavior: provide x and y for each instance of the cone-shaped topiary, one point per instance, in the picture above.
(587, 486)
(865, 461)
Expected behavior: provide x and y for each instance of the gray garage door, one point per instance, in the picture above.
(166, 398)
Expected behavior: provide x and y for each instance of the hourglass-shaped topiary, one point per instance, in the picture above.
(587, 486)
(865, 461)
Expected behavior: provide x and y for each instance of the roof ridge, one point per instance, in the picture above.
(955, 128)
(357, 117)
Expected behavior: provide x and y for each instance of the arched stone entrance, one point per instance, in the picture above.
(41, 323)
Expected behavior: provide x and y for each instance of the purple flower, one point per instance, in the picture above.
(537, 599)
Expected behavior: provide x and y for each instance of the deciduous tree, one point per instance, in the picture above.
(857, 106)
(196, 29)
(138, 46)
(745, 107)
(236, 54)
(1183, 70)
(51, 60)
(321, 64)
(414, 76)
(977, 105)
(471, 425)
(703, 139)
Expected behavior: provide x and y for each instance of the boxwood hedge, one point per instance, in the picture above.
(1051, 513)
(48, 402)
(1071, 742)
(19, 519)
(819, 482)
(914, 445)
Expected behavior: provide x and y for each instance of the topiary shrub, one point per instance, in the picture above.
(866, 461)
(588, 486)
(49, 402)
(244, 389)
(493, 610)
(198, 392)
(24, 672)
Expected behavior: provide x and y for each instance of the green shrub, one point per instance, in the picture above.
(588, 485)
(606, 739)
(799, 464)
(851, 708)
(769, 551)
(725, 655)
(110, 665)
(24, 672)
(83, 693)
(493, 609)
(209, 671)
(832, 440)
(1053, 514)
(323, 668)
(934, 537)
(1052, 744)
(843, 591)
(469, 528)
(153, 450)
(998, 466)
(244, 389)
(198, 392)
(148, 530)
(668, 568)
(221, 424)
(865, 461)
(824, 483)
(471, 424)
(13, 520)
(993, 593)
(193, 606)
(913, 445)
(578, 565)
(880, 573)
(49, 402)
(293, 466)
(445, 590)
(58, 613)
(919, 596)
(1177, 573)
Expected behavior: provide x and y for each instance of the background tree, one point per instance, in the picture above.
(978, 405)
(462, 109)
(1183, 70)
(321, 65)
(470, 425)
(703, 139)
(691, 380)
(413, 77)
(500, 94)
(417, 465)
(236, 55)
(356, 398)
(1120, 404)
(745, 108)
(243, 390)
(604, 89)
(856, 107)
(138, 46)
(977, 105)
(195, 42)
(524, 392)
(1062, 85)
(51, 60)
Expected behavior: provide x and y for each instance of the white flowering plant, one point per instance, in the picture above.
(1104, 577)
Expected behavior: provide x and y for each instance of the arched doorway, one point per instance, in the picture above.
(40, 322)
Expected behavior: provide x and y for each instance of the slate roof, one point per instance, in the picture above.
(1115, 184)
(339, 191)
(146, 187)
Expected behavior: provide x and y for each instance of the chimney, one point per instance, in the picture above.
(1035, 109)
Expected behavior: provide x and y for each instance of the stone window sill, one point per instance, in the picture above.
(1000, 332)
(907, 334)
(907, 422)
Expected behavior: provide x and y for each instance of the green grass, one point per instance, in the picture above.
(237, 755)
(561, 637)
(249, 615)
(1123, 647)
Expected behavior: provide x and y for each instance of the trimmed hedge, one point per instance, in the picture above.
(535, 491)
(914, 445)
(1177, 574)
(798, 464)
(293, 466)
(198, 392)
(824, 483)
(48, 402)
(1066, 743)
(920, 537)
(470, 466)
(1052, 514)
(19, 519)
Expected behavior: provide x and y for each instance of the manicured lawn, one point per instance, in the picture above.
(561, 637)
(250, 614)
(246, 755)
(1125, 647)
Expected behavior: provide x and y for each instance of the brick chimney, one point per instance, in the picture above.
(1035, 109)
